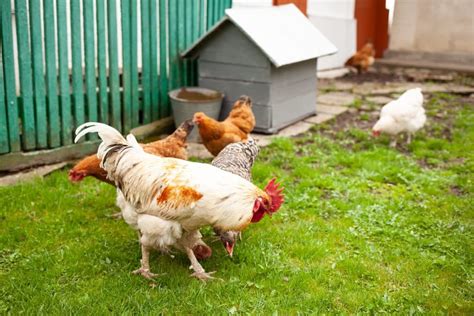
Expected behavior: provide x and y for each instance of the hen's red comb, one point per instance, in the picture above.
(275, 193)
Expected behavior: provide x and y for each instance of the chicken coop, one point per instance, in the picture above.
(269, 54)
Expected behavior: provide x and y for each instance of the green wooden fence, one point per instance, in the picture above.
(69, 68)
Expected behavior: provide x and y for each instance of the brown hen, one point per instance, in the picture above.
(362, 59)
(235, 128)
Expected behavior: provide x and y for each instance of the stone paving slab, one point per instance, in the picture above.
(295, 129)
(397, 88)
(381, 100)
(262, 140)
(319, 118)
(334, 85)
(460, 89)
(331, 109)
(31, 174)
(336, 98)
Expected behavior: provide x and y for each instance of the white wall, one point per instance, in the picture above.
(251, 3)
(433, 26)
(342, 9)
(335, 19)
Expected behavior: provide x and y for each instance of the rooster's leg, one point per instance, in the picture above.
(408, 138)
(145, 264)
(199, 271)
(393, 142)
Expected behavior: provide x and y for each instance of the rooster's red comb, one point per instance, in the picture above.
(276, 195)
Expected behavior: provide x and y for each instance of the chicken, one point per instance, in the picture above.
(406, 114)
(235, 128)
(236, 158)
(172, 146)
(362, 59)
(174, 198)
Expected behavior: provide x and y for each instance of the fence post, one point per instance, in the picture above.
(165, 110)
(113, 65)
(126, 66)
(134, 62)
(38, 75)
(51, 75)
(64, 87)
(89, 56)
(77, 88)
(26, 84)
(4, 148)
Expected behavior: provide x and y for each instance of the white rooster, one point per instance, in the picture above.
(406, 114)
(173, 198)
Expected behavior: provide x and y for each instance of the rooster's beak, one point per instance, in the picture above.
(230, 248)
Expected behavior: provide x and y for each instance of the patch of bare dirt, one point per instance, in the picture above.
(455, 190)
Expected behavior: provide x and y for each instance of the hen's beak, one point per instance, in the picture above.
(376, 133)
(230, 248)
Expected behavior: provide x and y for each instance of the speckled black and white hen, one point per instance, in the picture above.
(237, 158)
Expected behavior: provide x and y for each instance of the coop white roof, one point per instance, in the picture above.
(283, 33)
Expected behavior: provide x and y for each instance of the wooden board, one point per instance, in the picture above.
(227, 71)
(230, 45)
(233, 89)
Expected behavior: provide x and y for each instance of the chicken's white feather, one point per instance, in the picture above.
(406, 114)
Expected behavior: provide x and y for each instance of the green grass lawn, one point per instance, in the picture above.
(365, 229)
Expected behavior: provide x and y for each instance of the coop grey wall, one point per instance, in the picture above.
(231, 63)
(293, 92)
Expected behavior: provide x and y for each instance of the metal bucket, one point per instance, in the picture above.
(189, 100)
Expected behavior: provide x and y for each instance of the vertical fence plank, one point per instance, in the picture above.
(4, 148)
(26, 84)
(134, 63)
(197, 22)
(66, 121)
(209, 13)
(216, 5)
(155, 90)
(9, 71)
(202, 17)
(145, 31)
(51, 77)
(165, 110)
(220, 8)
(113, 65)
(126, 82)
(77, 86)
(181, 41)
(196, 29)
(89, 56)
(102, 62)
(173, 43)
(189, 21)
(38, 78)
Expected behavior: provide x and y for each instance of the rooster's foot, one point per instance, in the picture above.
(203, 275)
(145, 273)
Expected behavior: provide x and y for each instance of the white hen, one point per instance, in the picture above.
(406, 114)
(173, 198)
